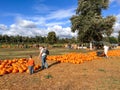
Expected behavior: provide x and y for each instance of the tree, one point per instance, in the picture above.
(113, 40)
(6, 38)
(51, 38)
(89, 23)
(119, 37)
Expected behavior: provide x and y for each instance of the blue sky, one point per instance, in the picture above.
(38, 17)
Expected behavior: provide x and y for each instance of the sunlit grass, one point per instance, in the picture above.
(9, 53)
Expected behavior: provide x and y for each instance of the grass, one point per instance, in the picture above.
(93, 75)
(7, 53)
(16, 53)
(102, 70)
(48, 76)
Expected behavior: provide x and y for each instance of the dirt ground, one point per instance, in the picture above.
(101, 74)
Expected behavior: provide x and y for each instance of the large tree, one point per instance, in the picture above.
(51, 38)
(89, 22)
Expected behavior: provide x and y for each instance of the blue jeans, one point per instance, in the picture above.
(31, 69)
(44, 63)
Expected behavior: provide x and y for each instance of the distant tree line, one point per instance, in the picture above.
(51, 38)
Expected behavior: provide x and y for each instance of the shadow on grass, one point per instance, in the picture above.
(48, 66)
(57, 62)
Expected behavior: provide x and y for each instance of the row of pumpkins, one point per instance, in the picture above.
(15, 66)
(78, 58)
(20, 65)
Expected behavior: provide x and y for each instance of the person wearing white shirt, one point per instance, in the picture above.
(106, 48)
(43, 57)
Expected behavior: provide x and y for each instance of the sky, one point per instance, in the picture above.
(39, 17)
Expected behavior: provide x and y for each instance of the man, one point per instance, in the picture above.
(106, 48)
(43, 56)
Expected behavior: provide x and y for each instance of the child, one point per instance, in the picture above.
(31, 65)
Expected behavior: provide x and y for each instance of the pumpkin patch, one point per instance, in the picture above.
(15, 66)
(20, 65)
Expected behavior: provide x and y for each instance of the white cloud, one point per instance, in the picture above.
(16, 30)
(57, 23)
(55, 15)
(62, 32)
(61, 14)
(58, 17)
(24, 27)
(11, 14)
(3, 27)
(118, 1)
(32, 26)
(116, 26)
(42, 25)
(42, 8)
(112, 1)
(25, 23)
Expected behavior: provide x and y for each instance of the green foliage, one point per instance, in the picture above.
(119, 36)
(88, 21)
(21, 39)
(5, 39)
(48, 76)
(101, 69)
(51, 38)
(113, 40)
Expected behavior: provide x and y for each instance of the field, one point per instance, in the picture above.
(98, 74)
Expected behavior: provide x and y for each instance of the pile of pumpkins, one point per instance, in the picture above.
(78, 58)
(114, 52)
(15, 66)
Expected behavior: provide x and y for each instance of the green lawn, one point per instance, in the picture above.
(7, 53)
